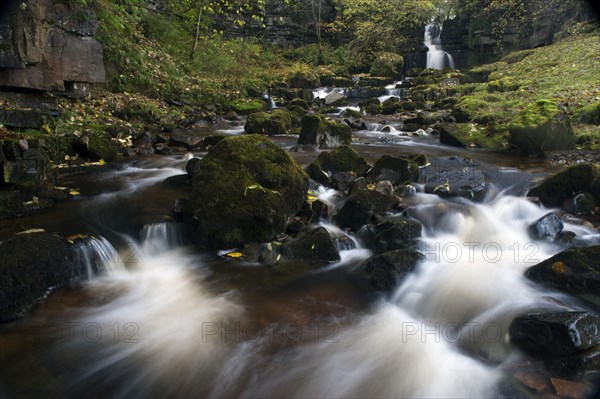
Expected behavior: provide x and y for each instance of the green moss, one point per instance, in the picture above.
(247, 107)
(278, 121)
(387, 65)
(318, 130)
(473, 135)
(575, 179)
(536, 114)
(589, 114)
(342, 159)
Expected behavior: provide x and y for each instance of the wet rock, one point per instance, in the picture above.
(578, 363)
(210, 141)
(556, 189)
(567, 238)
(546, 227)
(398, 170)
(317, 247)
(178, 181)
(342, 180)
(336, 99)
(388, 269)
(31, 265)
(455, 177)
(246, 189)
(360, 207)
(317, 130)
(358, 184)
(555, 333)
(278, 121)
(385, 187)
(96, 147)
(179, 209)
(394, 233)
(406, 191)
(575, 271)
(451, 135)
(342, 159)
(187, 138)
(192, 165)
(541, 127)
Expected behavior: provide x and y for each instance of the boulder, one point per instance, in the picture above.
(575, 271)
(336, 99)
(96, 147)
(576, 179)
(388, 269)
(192, 165)
(187, 138)
(317, 130)
(455, 177)
(360, 208)
(398, 170)
(317, 247)
(245, 190)
(541, 127)
(394, 233)
(278, 121)
(546, 227)
(555, 333)
(31, 265)
(210, 141)
(342, 159)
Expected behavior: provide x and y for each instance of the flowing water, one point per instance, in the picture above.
(437, 58)
(157, 317)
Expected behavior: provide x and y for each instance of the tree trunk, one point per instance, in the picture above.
(197, 36)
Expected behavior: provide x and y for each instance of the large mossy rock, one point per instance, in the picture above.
(31, 264)
(577, 179)
(342, 159)
(245, 190)
(387, 65)
(97, 146)
(388, 269)
(541, 127)
(394, 233)
(278, 121)
(318, 130)
(574, 271)
(247, 107)
(316, 247)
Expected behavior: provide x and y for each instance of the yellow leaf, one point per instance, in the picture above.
(101, 162)
(371, 187)
(310, 198)
(74, 192)
(234, 254)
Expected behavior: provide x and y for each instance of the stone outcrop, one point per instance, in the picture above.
(48, 45)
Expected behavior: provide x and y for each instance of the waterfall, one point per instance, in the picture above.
(437, 58)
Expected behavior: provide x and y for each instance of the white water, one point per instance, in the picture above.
(437, 58)
(426, 340)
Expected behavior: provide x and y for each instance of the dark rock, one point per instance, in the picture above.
(342, 180)
(578, 363)
(192, 165)
(546, 227)
(278, 121)
(31, 265)
(398, 170)
(575, 271)
(541, 127)
(455, 177)
(452, 136)
(342, 159)
(566, 238)
(246, 190)
(394, 233)
(178, 181)
(385, 187)
(96, 147)
(318, 130)
(211, 141)
(317, 247)
(180, 209)
(358, 184)
(555, 333)
(388, 269)
(576, 179)
(360, 208)
(189, 139)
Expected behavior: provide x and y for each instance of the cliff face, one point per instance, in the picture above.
(48, 45)
(471, 40)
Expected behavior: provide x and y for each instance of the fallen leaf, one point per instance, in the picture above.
(234, 254)
(30, 231)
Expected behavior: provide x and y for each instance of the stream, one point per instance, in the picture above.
(157, 317)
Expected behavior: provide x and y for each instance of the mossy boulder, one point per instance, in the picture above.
(574, 271)
(278, 121)
(387, 65)
(393, 233)
(576, 179)
(389, 268)
(31, 264)
(465, 135)
(542, 126)
(245, 190)
(97, 146)
(589, 114)
(398, 170)
(342, 159)
(325, 133)
(298, 102)
(304, 80)
(247, 106)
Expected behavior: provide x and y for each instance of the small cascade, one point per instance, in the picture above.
(158, 238)
(97, 256)
(437, 58)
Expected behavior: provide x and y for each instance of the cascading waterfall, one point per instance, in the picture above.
(437, 58)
